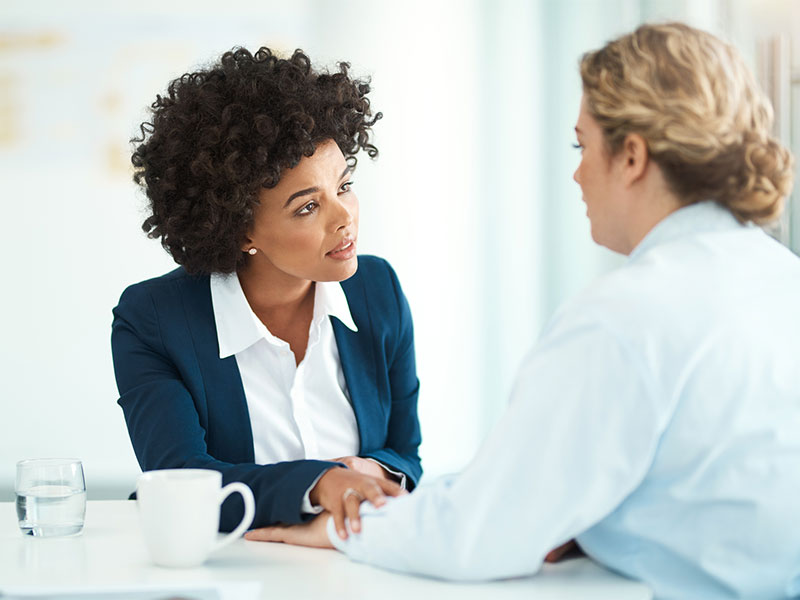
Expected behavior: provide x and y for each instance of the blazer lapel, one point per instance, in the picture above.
(357, 355)
(229, 435)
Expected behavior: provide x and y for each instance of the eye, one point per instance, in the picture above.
(308, 209)
(345, 187)
(578, 146)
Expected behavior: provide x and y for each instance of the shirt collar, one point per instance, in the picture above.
(700, 217)
(238, 327)
(330, 300)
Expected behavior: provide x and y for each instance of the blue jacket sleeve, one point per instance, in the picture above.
(401, 451)
(164, 419)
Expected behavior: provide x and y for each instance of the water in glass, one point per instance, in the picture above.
(50, 510)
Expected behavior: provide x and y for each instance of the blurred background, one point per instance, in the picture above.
(471, 199)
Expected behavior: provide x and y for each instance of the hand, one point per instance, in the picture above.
(313, 534)
(563, 551)
(367, 467)
(341, 491)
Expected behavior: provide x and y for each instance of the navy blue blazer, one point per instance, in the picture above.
(185, 407)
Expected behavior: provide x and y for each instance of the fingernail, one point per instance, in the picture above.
(343, 534)
(356, 526)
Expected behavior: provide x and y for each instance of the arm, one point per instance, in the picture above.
(400, 452)
(577, 438)
(165, 425)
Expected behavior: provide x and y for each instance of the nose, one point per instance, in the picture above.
(343, 214)
(575, 176)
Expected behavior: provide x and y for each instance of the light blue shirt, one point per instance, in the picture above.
(657, 421)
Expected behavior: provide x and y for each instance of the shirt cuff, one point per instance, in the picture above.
(399, 475)
(307, 508)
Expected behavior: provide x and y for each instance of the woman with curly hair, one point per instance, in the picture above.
(657, 421)
(273, 354)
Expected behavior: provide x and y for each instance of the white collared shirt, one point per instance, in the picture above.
(296, 411)
(657, 420)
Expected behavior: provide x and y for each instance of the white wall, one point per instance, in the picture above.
(471, 198)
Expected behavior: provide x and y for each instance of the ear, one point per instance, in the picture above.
(246, 244)
(635, 158)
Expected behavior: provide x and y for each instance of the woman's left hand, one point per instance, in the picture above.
(313, 534)
(365, 467)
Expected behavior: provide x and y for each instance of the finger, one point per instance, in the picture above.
(557, 554)
(337, 512)
(265, 534)
(374, 493)
(352, 502)
(390, 488)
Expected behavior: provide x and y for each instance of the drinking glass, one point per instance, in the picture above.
(51, 496)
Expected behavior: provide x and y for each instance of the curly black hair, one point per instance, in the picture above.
(223, 132)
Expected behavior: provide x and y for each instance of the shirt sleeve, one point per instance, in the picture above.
(399, 477)
(577, 437)
(307, 508)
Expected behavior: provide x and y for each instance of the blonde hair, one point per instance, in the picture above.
(696, 104)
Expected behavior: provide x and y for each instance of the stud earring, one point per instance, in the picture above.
(252, 251)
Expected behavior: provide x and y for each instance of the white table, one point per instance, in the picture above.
(111, 551)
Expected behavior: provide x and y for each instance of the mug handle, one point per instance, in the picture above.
(249, 511)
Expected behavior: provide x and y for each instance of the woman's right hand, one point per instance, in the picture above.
(341, 491)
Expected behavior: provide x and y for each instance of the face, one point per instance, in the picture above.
(598, 174)
(306, 226)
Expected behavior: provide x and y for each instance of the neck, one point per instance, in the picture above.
(645, 223)
(651, 202)
(272, 292)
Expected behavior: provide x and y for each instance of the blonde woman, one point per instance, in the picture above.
(657, 421)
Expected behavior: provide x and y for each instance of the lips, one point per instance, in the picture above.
(344, 250)
(345, 243)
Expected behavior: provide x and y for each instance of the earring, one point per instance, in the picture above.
(252, 251)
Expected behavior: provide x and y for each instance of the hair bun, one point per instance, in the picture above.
(767, 181)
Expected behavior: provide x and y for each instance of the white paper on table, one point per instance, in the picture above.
(221, 590)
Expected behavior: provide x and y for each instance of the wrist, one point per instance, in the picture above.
(314, 494)
(387, 474)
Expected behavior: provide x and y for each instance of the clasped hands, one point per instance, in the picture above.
(340, 492)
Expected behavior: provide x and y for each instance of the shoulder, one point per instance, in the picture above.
(375, 277)
(374, 294)
(162, 291)
(631, 299)
(370, 267)
(663, 300)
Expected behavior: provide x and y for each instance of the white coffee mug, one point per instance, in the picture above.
(179, 512)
